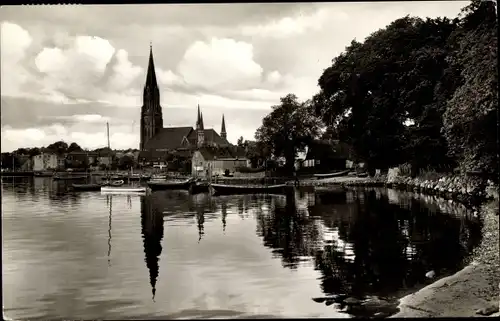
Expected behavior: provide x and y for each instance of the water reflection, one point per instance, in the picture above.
(223, 256)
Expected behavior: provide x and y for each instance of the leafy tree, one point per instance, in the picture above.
(374, 87)
(470, 120)
(126, 161)
(58, 147)
(240, 142)
(34, 151)
(74, 147)
(10, 161)
(288, 129)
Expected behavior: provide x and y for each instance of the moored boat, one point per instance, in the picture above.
(86, 187)
(328, 175)
(222, 189)
(123, 189)
(199, 187)
(68, 177)
(157, 185)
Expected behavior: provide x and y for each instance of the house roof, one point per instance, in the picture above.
(232, 152)
(168, 138)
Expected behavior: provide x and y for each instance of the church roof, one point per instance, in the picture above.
(168, 138)
(210, 153)
(210, 136)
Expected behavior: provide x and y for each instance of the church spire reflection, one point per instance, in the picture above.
(152, 233)
(224, 214)
(200, 219)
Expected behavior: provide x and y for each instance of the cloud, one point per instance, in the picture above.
(77, 70)
(124, 72)
(298, 24)
(220, 63)
(14, 43)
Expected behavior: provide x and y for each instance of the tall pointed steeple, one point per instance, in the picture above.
(223, 133)
(151, 113)
(151, 75)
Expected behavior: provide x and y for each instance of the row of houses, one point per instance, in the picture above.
(51, 161)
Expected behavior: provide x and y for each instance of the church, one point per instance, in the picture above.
(157, 143)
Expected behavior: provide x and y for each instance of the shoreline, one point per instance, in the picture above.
(474, 290)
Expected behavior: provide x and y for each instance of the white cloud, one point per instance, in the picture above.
(76, 71)
(124, 72)
(167, 78)
(220, 64)
(14, 42)
(296, 25)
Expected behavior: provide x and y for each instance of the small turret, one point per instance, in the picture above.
(199, 128)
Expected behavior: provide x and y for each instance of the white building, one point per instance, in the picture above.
(45, 161)
(217, 161)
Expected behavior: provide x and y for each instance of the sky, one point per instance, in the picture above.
(67, 70)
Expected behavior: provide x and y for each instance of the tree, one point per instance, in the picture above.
(34, 151)
(74, 147)
(10, 161)
(373, 88)
(240, 142)
(58, 147)
(288, 129)
(126, 161)
(470, 120)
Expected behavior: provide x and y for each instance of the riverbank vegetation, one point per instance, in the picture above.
(421, 91)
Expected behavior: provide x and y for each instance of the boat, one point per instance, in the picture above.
(156, 185)
(86, 187)
(67, 178)
(328, 175)
(364, 174)
(221, 189)
(199, 187)
(123, 189)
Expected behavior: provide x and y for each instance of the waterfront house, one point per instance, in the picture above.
(77, 160)
(45, 161)
(104, 157)
(217, 161)
(327, 155)
(26, 163)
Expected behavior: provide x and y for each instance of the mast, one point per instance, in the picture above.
(109, 151)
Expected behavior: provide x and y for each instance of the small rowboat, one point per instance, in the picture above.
(328, 175)
(166, 185)
(221, 189)
(123, 189)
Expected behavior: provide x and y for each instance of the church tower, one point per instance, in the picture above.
(151, 114)
(199, 129)
(223, 133)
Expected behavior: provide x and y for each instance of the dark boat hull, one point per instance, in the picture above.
(199, 188)
(337, 174)
(68, 178)
(86, 187)
(220, 189)
(159, 186)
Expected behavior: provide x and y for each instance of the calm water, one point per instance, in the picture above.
(169, 254)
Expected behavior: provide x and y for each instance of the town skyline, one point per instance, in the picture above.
(231, 59)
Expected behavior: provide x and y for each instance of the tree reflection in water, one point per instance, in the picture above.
(364, 245)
